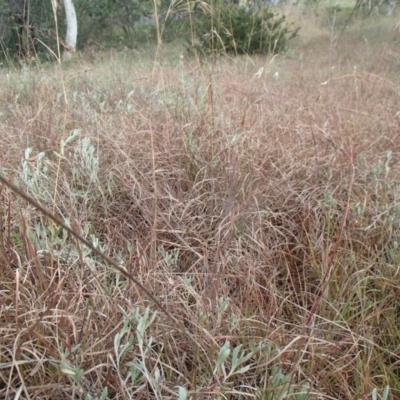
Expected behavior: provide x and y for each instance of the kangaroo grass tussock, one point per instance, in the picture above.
(265, 224)
(78, 236)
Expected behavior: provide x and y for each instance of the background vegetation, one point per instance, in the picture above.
(256, 198)
(30, 31)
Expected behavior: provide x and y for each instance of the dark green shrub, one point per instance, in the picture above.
(112, 22)
(231, 28)
(24, 27)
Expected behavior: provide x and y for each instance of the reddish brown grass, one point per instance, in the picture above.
(236, 180)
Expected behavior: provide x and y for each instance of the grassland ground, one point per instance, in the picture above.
(258, 199)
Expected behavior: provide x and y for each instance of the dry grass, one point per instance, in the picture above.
(259, 206)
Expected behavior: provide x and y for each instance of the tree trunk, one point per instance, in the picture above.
(72, 29)
(390, 6)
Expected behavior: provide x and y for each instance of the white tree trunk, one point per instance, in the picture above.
(72, 29)
(390, 6)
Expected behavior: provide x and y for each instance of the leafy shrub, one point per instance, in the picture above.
(23, 29)
(237, 29)
(110, 22)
